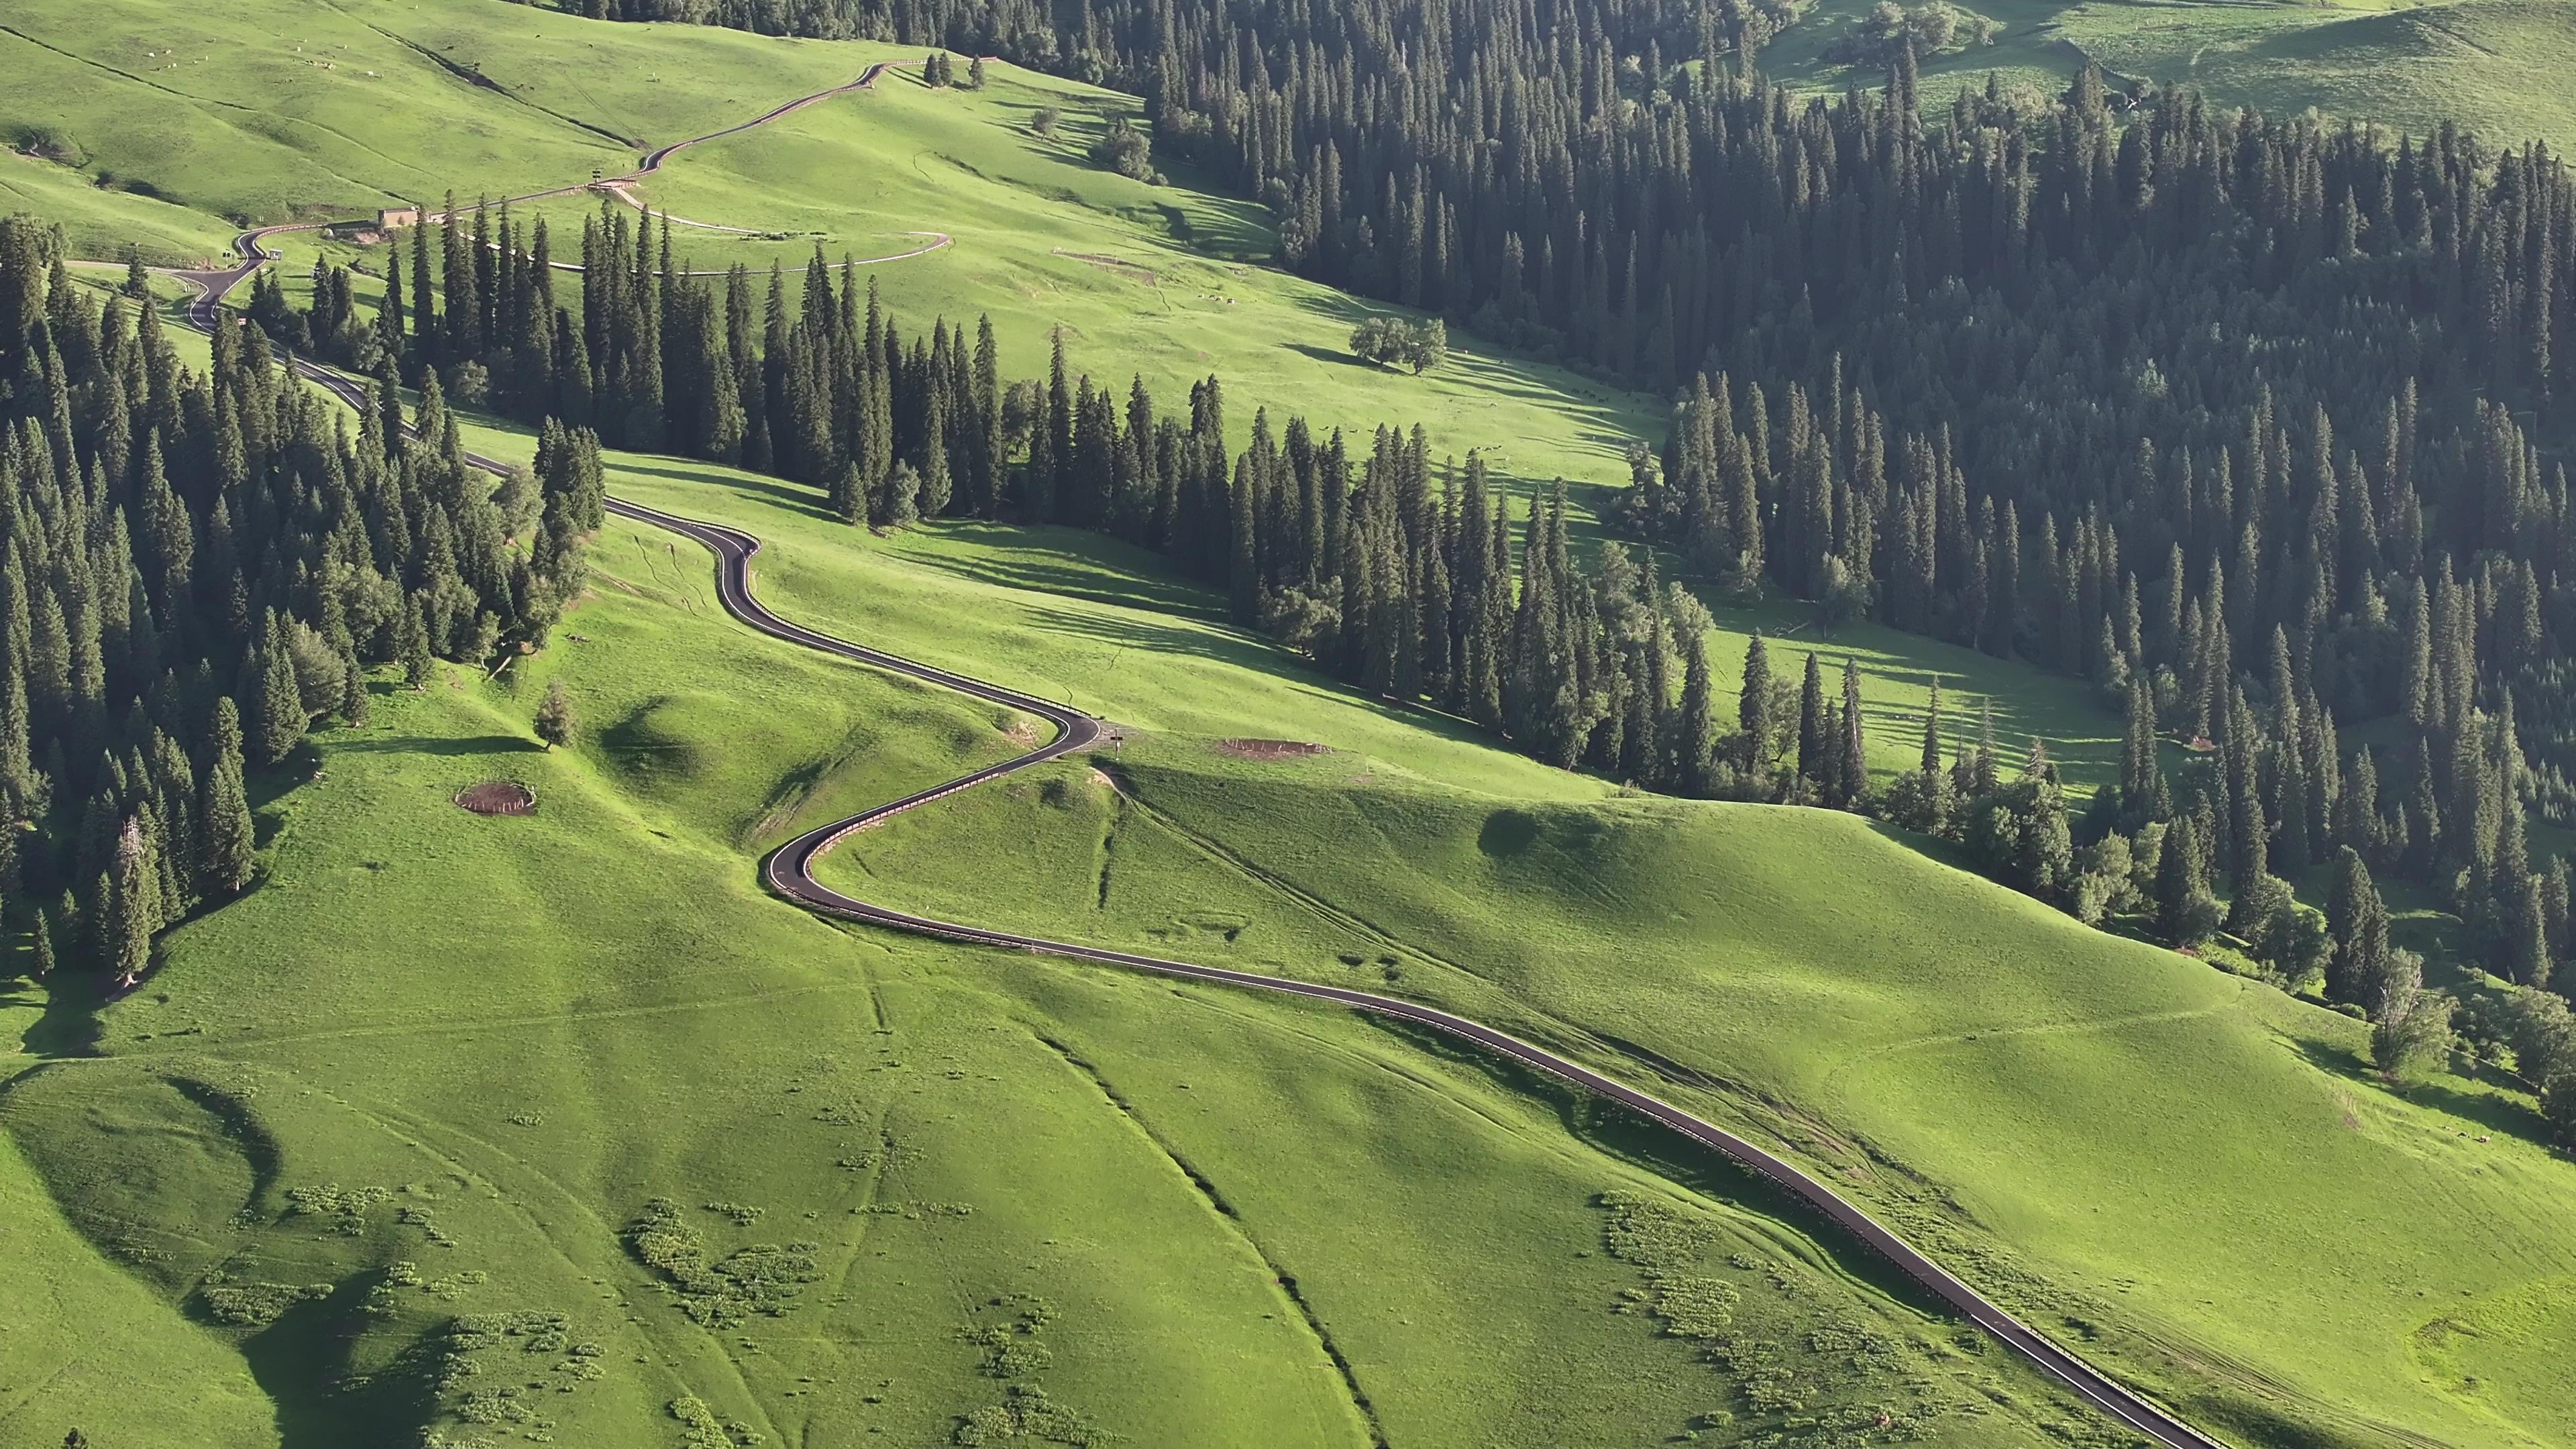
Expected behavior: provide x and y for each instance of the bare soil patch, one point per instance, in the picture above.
(498, 797)
(1270, 749)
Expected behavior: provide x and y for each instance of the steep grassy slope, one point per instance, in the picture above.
(372, 1149)
(86, 1343)
(2127, 1143)
(269, 111)
(100, 222)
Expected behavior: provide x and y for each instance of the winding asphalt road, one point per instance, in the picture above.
(789, 872)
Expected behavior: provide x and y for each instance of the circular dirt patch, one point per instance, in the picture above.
(1269, 749)
(498, 797)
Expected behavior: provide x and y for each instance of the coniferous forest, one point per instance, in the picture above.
(197, 565)
(2246, 420)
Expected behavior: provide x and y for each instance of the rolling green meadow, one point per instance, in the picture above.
(437, 1069)
(1956, 1053)
(471, 1130)
(2492, 65)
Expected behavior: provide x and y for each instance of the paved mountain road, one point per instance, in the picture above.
(789, 872)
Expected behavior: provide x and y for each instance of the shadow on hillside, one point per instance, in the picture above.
(1030, 569)
(306, 1364)
(1243, 651)
(69, 1002)
(2507, 1116)
(790, 496)
(1328, 356)
(1930, 847)
(443, 746)
(1617, 1132)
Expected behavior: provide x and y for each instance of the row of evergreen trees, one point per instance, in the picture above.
(1416, 593)
(2131, 392)
(1354, 560)
(823, 388)
(2285, 583)
(193, 568)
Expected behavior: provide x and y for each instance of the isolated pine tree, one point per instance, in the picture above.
(279, 719)
(1693, 746)
(849, 495)
(902, 494)
(418, 662)
(2527, 936)
(554, 716)
(1812, 733)
(133, 906)
(2359, 925)
(1753, 705)
(2180, 916)
(1853, 777)
(354, 700)
(224, 815)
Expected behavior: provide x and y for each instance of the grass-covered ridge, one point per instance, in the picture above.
(554, 1124)
(491, 1047)
(2068, 1115)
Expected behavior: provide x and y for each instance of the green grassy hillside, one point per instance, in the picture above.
(2491, 65)
(270, 112)
(379, 1148)
(372, 1152)
(1958, 1053)
(101, 222)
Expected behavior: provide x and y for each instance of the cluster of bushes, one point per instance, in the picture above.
(1934, 27)
(1390, 341)
(2541, 1030)
(1124, 149)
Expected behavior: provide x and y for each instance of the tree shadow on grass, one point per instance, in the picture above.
(2507, 1116)
(790, 496)
(1243, 651)
(1031, 569)
(444, 746)
(1930, 847)
(305, 1362)
(68, 1025)
(1329, 357)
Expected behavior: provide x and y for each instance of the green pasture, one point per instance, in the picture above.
(368, 1153)
(274, 111)
(100, 222)
(1961, 1054)
(2493, 66)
